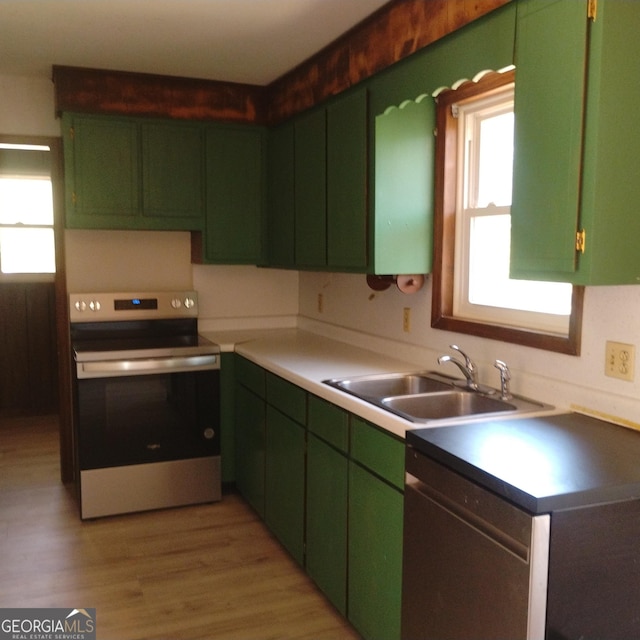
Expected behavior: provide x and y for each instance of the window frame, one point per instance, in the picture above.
(446, 181)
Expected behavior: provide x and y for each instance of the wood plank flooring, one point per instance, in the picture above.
(208, 571)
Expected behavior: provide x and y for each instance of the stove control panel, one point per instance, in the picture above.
(102, 307)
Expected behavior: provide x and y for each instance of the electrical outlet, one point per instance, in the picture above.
(320, 303)
(406, 319)
(620, 360)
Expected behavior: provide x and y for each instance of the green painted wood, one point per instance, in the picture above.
(484, 44)
(326, 520)
(310, 190)
(126, 173)
(285, 481)
(404, 190)
(101, 159)
(611, 189)
(549, 116)
(173, 174)
(378, 450)
(346, 182)
(280, 197)
(329, 422)
(250, 420)
(227, 416)
(374, 555)
(287, 398)
(251, 375)
(235, 179)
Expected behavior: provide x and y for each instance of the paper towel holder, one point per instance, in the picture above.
(406, 283)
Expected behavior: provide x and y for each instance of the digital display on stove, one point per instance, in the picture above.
(135, 303)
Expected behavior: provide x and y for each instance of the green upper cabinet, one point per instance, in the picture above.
(311, 190)
(127, 173)
(576, 146)
(101, 157)
(317, 174)
(281, 197)
(172, 173)
(403, 186)
(235, 163)
(347, 182)
(550, 63)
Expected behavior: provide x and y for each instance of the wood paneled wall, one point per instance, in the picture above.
(397, 30)
(28, 353)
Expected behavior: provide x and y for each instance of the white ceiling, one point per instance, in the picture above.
(250, 41)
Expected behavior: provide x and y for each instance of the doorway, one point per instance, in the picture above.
(34, 339)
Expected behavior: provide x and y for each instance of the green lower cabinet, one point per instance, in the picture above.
(374, 555)
(326, 536)
(284, 481)
(250, 410)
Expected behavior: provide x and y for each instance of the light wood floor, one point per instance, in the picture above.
(210, 571)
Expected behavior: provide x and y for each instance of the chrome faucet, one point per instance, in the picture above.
(505, 376)
(469, 368)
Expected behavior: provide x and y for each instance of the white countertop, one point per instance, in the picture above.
(306, 359)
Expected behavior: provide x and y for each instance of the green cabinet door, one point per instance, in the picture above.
(250, 418)
(173, 175)
(404, 190)
(101, 172)
(235, 181)
(280, 197)
(375, 555)
(310, 190)
(347, 182)
(551, 49)
(326, 520)
(129, 173)
(284, 481)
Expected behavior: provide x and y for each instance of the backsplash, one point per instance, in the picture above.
(566, 381)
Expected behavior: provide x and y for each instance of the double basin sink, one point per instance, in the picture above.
(429, 396)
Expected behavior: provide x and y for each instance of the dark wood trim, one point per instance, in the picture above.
(394, 32)
(135, 94)
(442, 316)
(397, 30)
(65, 374)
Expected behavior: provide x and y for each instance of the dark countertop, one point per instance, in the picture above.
(541, 464)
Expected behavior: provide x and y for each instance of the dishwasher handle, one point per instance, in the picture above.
(147, 366)
(472, 517)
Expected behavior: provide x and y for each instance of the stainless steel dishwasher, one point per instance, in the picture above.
(475, 566)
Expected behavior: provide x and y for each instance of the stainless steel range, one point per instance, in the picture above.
(147, 402)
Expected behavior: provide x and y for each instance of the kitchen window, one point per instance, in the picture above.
(472, 290)
(27, 245)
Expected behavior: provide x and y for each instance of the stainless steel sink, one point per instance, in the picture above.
(431, 397)
(447, 404)
(390, 384)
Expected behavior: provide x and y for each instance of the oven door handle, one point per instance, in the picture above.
(146, 366)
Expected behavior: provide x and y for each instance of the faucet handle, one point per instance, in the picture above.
(505, 376)
(469, 363)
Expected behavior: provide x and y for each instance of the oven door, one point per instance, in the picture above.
(129, 413)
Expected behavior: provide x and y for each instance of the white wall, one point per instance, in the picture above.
(27, 106)
(610, 313)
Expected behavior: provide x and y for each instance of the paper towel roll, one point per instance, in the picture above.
(410, 284)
